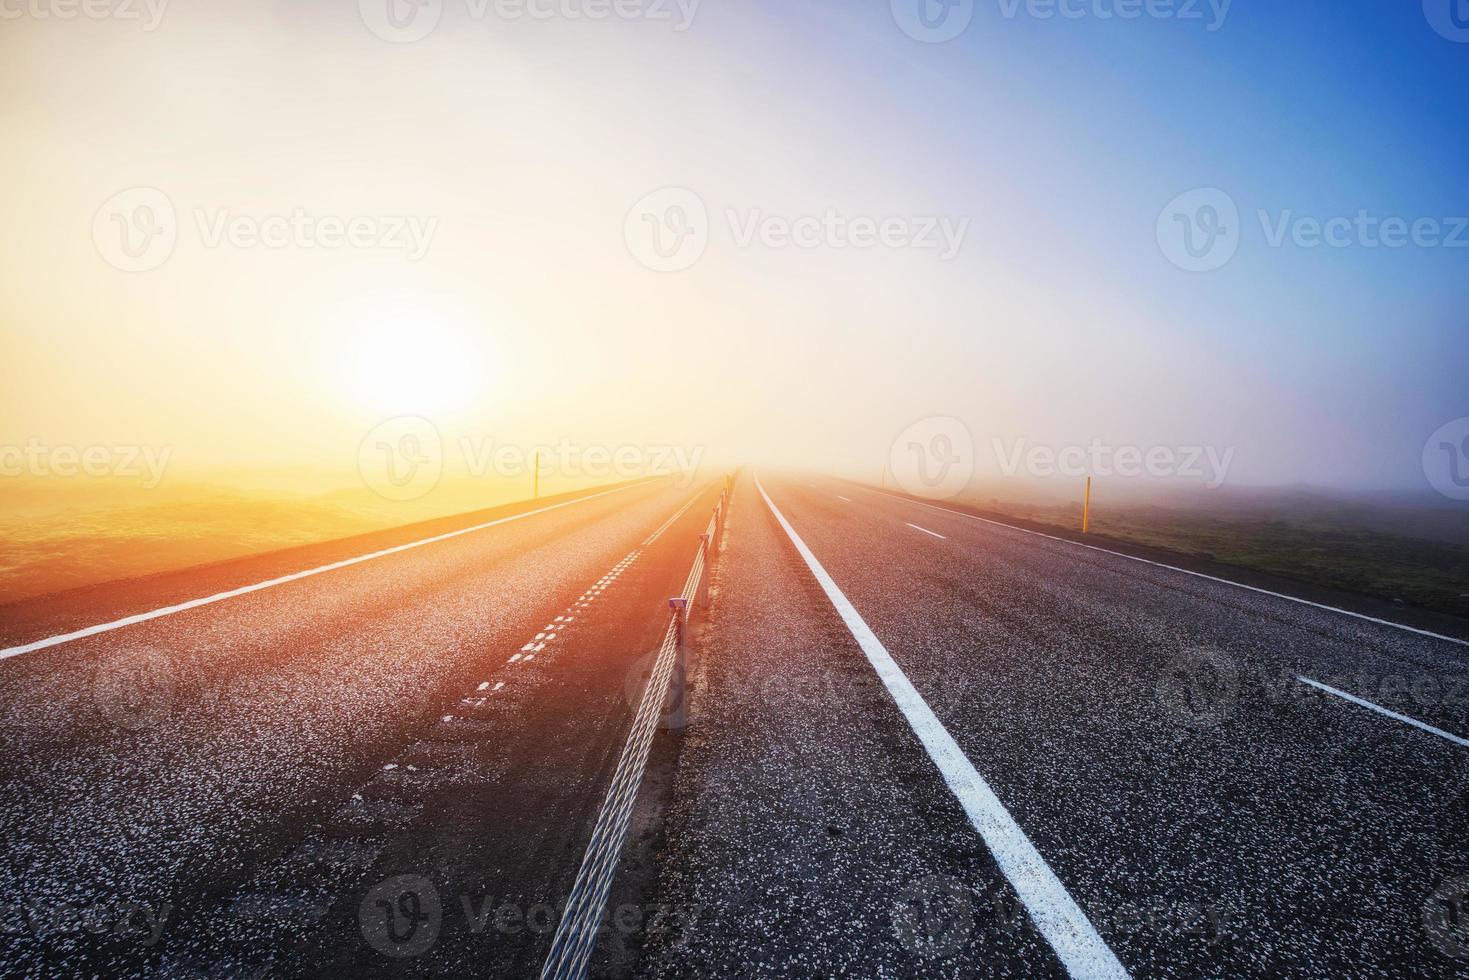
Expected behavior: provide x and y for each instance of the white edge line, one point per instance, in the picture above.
(1384, 711)
(52, 641)
(927, 531)
(1175, 568)
(1051, 907)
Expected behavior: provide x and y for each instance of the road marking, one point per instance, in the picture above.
(1175, 568)
(571, 948)
(669, 523)
(1384, 711)
(847, 499)
(293, 577)
(1052, 908)
(927, 531)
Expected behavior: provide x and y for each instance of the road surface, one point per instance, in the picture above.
(920, 743)
(244, 786)
(1164, 791)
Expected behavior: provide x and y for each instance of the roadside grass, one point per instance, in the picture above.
(1381, 551)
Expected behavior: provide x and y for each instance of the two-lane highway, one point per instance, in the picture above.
(202, 770)
(1133, 745)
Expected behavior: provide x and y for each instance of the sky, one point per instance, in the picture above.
(576, 230)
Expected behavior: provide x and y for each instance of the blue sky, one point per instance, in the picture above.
(1320, 108)
(530, 143)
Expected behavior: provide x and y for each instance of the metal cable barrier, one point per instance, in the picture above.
(571, 950)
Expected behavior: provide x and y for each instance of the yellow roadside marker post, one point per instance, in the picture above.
(1086, 509)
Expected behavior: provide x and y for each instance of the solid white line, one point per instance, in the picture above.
(927, 531)
(1052, 908)
(1384, 711)
(294, 576)
(1175, 568)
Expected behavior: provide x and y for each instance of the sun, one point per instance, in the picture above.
(406, 359)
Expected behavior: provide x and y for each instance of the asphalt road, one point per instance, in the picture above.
(1187, 799)
(287, 781)
(919, 744)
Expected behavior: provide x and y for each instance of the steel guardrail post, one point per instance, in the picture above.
(705, 546)
(676, 717)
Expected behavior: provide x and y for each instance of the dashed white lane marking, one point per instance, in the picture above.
(847, 499)
(1384, 711)
(669, 523)
(52, 641)
(1054, 911)
(1185, 571)
(927, 531)
(547, 635)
